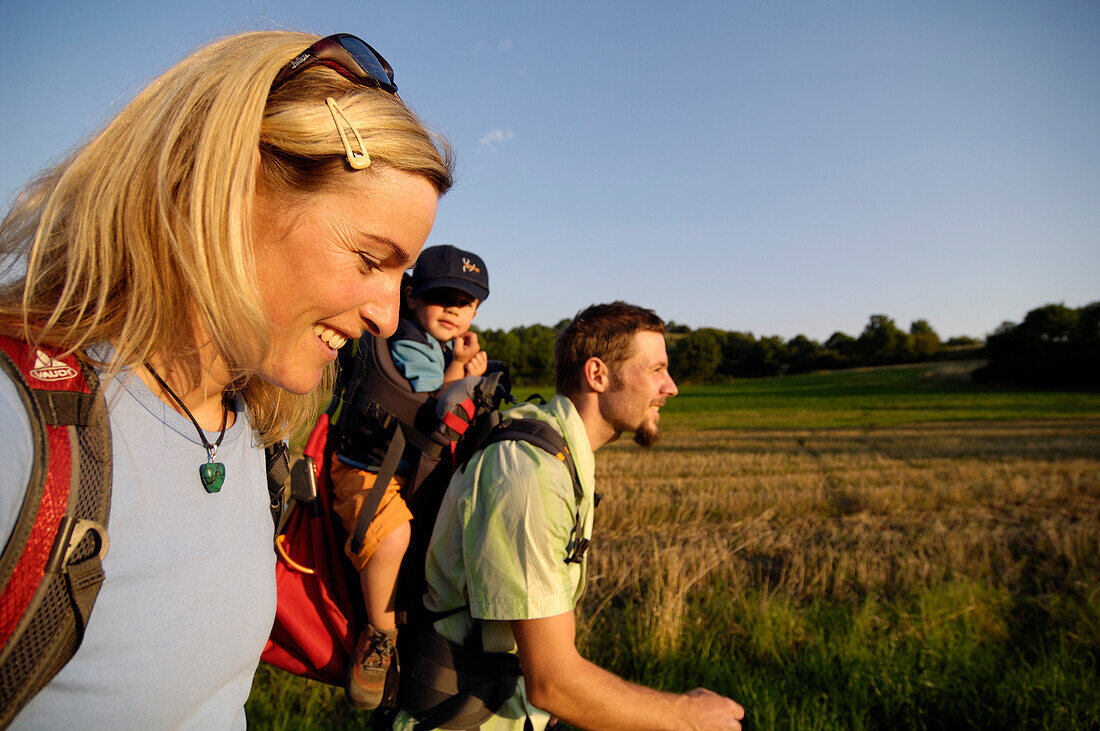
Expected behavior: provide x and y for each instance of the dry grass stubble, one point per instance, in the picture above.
(843, 514)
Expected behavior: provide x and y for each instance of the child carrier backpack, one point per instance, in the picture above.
(376, 417)
(51, 567)
(379, 419)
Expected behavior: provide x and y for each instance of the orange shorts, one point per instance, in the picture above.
(350, 487)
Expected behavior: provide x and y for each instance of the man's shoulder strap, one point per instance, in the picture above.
(542, 435)
(51, 567)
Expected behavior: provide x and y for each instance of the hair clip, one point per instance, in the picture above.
(358, 160)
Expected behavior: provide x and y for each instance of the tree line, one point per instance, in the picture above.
(708, 354)
(1054, 344)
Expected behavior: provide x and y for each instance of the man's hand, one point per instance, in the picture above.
(707, 709)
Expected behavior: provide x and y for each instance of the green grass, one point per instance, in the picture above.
(863, 398)
(953, 656)
(284, 702)
(867, 398)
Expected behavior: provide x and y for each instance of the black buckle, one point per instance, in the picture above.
(578, 551)
(303, 484)
(70, 533)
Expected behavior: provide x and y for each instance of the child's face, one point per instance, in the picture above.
(443, 313)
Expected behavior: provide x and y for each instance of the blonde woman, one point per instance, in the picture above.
(209, 251)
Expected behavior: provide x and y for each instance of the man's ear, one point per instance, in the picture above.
(409, 296)
(597, 375)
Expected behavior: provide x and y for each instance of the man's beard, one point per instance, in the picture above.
(647, 434)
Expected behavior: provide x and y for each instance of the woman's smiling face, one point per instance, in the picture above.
(329, 266)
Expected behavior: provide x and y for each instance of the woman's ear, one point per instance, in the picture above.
(597, 375)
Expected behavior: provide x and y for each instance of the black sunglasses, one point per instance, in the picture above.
(351, 57)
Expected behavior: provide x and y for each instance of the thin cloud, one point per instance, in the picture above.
(505, 43)
(495, 138)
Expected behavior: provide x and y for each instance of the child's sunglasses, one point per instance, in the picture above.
(351, 57)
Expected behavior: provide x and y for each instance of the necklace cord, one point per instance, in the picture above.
(211, 449)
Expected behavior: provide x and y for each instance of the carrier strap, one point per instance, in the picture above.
(277, 457)
(454, 685)
(547, 438)
(64, 407)
(385, 473)
(543, 436)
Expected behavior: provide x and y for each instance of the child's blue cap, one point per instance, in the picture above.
(446, 266)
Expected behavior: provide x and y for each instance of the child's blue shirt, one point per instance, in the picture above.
(419, 357)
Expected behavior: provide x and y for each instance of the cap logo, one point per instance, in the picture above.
(47, 368)
(469, 266)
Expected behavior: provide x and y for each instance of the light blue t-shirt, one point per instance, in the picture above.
(422, 364)
(189, 595)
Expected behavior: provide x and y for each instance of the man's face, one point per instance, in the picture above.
(640, 385)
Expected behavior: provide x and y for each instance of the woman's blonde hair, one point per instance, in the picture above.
(142, 238)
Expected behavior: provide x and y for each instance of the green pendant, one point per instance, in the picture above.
(212, 475)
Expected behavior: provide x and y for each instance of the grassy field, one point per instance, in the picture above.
(868, 398)
(879, 549)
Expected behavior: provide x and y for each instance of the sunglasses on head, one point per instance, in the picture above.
(349, 56)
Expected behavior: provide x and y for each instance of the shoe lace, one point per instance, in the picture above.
(381, 648)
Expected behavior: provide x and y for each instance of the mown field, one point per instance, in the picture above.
(882, 549)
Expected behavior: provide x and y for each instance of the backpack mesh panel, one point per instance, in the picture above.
(53, 634)
(43, 639)
(94, 471)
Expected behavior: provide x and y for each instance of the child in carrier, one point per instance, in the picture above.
(431, 349)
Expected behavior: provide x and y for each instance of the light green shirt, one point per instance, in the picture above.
(505, 528)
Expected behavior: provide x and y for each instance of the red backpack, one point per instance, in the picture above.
(317, 614)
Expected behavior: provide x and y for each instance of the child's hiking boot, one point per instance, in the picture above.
(366, 680)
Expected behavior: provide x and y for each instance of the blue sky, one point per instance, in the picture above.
(772, 167)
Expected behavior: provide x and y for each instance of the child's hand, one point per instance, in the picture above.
(476, 366)
(465, 347)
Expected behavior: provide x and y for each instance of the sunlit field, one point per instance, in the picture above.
(899, 572)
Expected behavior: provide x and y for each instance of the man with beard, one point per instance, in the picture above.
(504, 572)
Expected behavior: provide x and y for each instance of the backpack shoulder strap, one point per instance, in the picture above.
(277, 460)
(543, 436)
(547, 438)
(377, 395)
(51, 568)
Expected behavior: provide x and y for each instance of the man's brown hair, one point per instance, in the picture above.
(603, 331)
